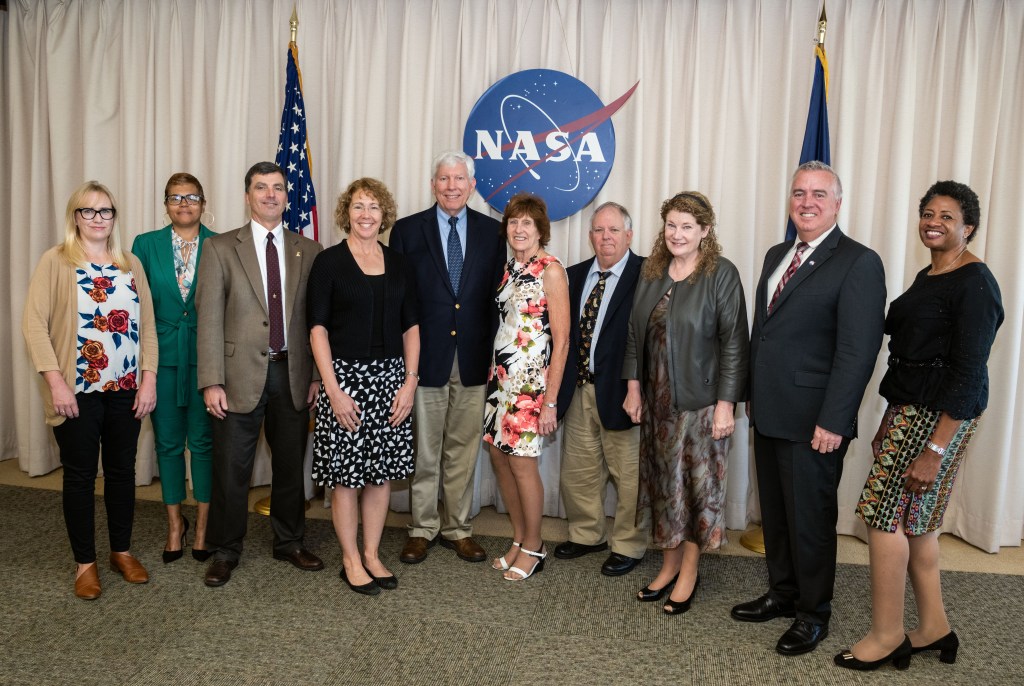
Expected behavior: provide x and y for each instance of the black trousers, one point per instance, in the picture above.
(105, 419)
(798, 487)
(234, 452)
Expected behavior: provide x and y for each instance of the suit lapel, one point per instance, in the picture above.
(817, 258)
(432, 236)
(576, 291)
(246, 251)
(293, 271)
(165, 258)
(629, 272)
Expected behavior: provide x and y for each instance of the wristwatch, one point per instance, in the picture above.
(935, 449)
(413, 375)
(551, 405)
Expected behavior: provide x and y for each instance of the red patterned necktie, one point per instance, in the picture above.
(274, 297)
(588, 321)
(790, 271)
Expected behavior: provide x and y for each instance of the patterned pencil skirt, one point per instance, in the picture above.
(376, 452)
(884, 502)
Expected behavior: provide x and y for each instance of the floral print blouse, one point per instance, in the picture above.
(108, 329)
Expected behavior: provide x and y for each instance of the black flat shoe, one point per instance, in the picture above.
(947, 645)
(649, 595)
(172, 555)
(370, 588)
(900, 659)
(677, 608)
(388, 583)
(201, 555)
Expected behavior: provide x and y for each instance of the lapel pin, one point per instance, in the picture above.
(298, 253)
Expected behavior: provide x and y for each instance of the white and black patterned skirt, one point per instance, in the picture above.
(376, 452)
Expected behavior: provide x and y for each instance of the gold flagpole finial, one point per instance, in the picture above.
(822, 23)
(294, 23)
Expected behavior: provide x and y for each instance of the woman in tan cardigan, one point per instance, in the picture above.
(91, 335)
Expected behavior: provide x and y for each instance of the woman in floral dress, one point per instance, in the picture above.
(90, 331)
(530, 349)
(686, 360)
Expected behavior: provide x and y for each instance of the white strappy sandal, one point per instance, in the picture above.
(539, 567)
(502, 561)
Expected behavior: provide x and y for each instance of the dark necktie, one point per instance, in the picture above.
(274, 297)
(588, 320)
(788, 274)
(454, 254)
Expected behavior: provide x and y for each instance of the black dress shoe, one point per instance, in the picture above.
(802, 637)
(649, 595)
(677, 608)
(570, 550)
(219, 572)
(617, 565)
(762, 609)
(370, 588)
(900, 659)
(388, 583)
(947, 647)
(301, 558)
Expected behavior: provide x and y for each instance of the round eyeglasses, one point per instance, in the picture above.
(88, 213)
(190, 199)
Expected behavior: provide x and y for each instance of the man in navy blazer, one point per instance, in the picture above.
(458, 255)
(818, 321)
(600, 441)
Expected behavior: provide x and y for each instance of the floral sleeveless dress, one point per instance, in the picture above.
(518, 375)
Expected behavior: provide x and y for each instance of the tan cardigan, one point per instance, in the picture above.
(50, 323)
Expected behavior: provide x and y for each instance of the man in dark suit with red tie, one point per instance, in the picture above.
(458, 255)
(600, 441)
(818, 321)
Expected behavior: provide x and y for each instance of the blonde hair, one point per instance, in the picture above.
(690, 202)
(72, 250)
(376, 190)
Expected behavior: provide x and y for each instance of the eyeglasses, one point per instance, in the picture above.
(88, 213)
(190, 199)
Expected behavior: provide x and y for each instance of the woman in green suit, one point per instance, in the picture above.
(170, 257)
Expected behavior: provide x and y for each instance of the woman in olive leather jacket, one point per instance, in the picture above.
(686, 362)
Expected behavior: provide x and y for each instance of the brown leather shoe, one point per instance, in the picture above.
(303, 559)
(87, 585)
(129, 567)
(415, 550)
(466, 548)
(219, 572)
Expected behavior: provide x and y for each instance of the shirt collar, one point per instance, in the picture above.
(616, 269)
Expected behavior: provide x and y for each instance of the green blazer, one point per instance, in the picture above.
(175, 318)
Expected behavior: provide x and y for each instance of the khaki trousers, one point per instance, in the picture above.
(448, 426)
(592, 455)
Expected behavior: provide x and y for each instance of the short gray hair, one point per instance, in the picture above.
(627, 221)
(451, 158)
(818, 165)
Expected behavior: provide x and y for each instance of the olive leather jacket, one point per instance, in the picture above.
(708, 341)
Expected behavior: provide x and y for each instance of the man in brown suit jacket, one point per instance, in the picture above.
(256, 370)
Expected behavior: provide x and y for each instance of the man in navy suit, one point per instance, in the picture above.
(458, 255)
(818, 321)
(601, 442)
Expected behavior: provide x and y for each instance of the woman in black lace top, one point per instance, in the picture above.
(941, 331)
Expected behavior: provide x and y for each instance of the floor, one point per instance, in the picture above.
(956, 555)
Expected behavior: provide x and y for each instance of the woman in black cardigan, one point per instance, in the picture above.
(361, 311)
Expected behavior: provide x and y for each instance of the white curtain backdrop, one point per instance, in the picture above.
(128, 92)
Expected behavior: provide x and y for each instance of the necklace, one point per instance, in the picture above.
(952, 264)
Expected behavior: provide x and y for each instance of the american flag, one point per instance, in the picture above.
(293, 155)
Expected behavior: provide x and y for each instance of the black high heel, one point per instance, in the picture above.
(649, 595)
(677, 608)
(172, 555)
(201, 555)
(900, 658)
(947, 647)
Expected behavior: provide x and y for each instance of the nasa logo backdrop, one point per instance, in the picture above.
(544, 132)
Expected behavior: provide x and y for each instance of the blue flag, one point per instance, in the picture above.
(816, 145)
(293, 155)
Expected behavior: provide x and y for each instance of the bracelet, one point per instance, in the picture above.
(551, 405)
(935, 449)
(413, 375)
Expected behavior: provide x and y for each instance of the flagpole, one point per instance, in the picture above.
(753, 539)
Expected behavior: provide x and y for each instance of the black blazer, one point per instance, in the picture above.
(812, 357)
(609, 386)
(447, 323)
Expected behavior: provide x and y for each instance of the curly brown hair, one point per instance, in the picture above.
(376, 190)
(697, 204)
